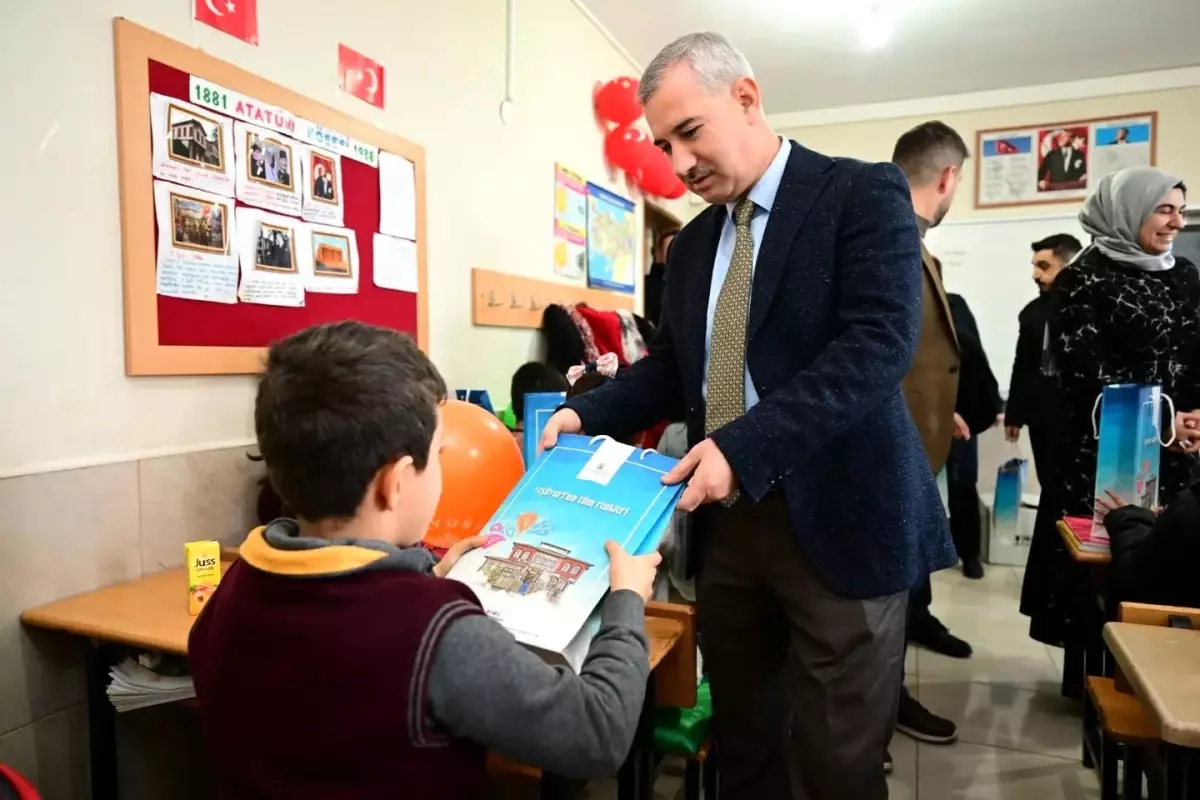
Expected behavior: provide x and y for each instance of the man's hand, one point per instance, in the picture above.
(1012, 433)
(456, 552)
(1111, 502)
(635, 573)
(564, 421)
(961, 431)
(712, 477)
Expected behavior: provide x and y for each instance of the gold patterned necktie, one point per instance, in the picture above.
(727, 347)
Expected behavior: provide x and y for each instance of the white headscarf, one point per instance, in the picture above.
(1113, 215)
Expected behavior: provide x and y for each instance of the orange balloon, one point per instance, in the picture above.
(481, 464)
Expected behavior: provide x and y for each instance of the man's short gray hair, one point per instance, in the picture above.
(716, 62)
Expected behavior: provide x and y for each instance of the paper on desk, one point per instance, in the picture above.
(395, 263)
(397, 196)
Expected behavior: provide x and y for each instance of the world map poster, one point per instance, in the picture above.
(611, 243)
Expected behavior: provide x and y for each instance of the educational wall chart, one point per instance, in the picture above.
(1061, 161)
(197, 250)
(287, 237)
(190, 146)
(322, 191)
(330, 259)
(268, 246)
(268, 171)
(570, 223)
(611, 246)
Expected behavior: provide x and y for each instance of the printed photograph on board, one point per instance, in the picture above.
(276, 249)
(270, 162)
(1123, 134)
(331, 255)
(198, 224)
(194, 139)
(1062, 159)
(324, 178)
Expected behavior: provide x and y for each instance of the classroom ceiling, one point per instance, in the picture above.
(818, 54)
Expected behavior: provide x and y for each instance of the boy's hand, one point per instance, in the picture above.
(635, 573)
(1111, 502)
(455, 553)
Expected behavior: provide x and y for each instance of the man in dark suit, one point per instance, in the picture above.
(791, 312)
(1064, 166)
(1032, 393)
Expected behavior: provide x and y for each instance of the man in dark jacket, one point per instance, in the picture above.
(978, 404)
(1032, 393)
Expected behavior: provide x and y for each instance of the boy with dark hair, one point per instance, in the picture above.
(534, 377)
(333, 661)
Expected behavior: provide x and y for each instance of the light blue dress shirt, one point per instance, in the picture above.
(762, 194)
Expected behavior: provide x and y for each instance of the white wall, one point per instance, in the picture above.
(64, 397)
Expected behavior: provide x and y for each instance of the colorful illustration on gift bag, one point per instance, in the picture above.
(1128, 424)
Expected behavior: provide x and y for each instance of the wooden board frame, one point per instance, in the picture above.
(134, 48)
(1153, 115)
(502, 300)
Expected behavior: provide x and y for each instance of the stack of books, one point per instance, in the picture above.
(1088, 537)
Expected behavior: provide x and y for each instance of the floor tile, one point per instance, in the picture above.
(977, 772)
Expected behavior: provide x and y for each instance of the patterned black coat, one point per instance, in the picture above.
(1112, 324)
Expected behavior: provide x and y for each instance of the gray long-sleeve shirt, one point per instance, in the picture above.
(486, 687)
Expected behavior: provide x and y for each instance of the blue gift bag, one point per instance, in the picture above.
(1006, 504)
(539, 407)
(1129, 427)
(478, 397)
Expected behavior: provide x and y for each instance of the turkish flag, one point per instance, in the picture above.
(360, 76)
(236, 17)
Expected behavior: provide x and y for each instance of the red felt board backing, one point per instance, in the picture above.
(194, 323)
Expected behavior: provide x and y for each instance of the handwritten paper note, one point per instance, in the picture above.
(330, 263)
(395, 263)
(197, 254)
(397, 196)
(191, 146)
(270, 258)
(322, 190)
(268, 169)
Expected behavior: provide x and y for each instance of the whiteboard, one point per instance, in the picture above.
(989, 263)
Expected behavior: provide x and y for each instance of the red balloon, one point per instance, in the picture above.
(481, 464)
(657, 177)
(628, 148)
(616, 101)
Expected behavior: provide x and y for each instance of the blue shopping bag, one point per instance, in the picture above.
(1127, 420)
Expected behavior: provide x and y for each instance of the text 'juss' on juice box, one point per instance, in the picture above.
(203, 561)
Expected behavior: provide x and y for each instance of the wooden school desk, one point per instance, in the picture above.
(1162, 666)
(151, 613)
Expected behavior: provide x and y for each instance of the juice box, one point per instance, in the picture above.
(203, 560)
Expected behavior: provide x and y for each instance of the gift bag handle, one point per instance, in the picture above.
(1157, 422)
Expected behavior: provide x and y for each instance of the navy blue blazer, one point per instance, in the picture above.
(835, 313)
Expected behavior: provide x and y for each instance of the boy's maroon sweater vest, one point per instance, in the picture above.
(314, 686)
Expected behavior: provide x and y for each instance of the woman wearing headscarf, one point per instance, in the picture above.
(1126, 311)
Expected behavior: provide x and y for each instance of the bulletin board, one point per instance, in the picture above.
(167, 335)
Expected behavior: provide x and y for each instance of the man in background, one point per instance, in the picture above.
(1032, 393)
(931, 156)
(656, 276)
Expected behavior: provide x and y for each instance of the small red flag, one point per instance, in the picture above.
(360, 76)
(236, 17)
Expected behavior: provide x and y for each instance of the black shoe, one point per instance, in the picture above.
(920, 723)
(888, 766)
(973, 568)
(932, 635)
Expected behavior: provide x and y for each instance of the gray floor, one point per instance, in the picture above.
(1018, 740)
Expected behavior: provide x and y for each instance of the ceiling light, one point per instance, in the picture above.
(876, 25)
